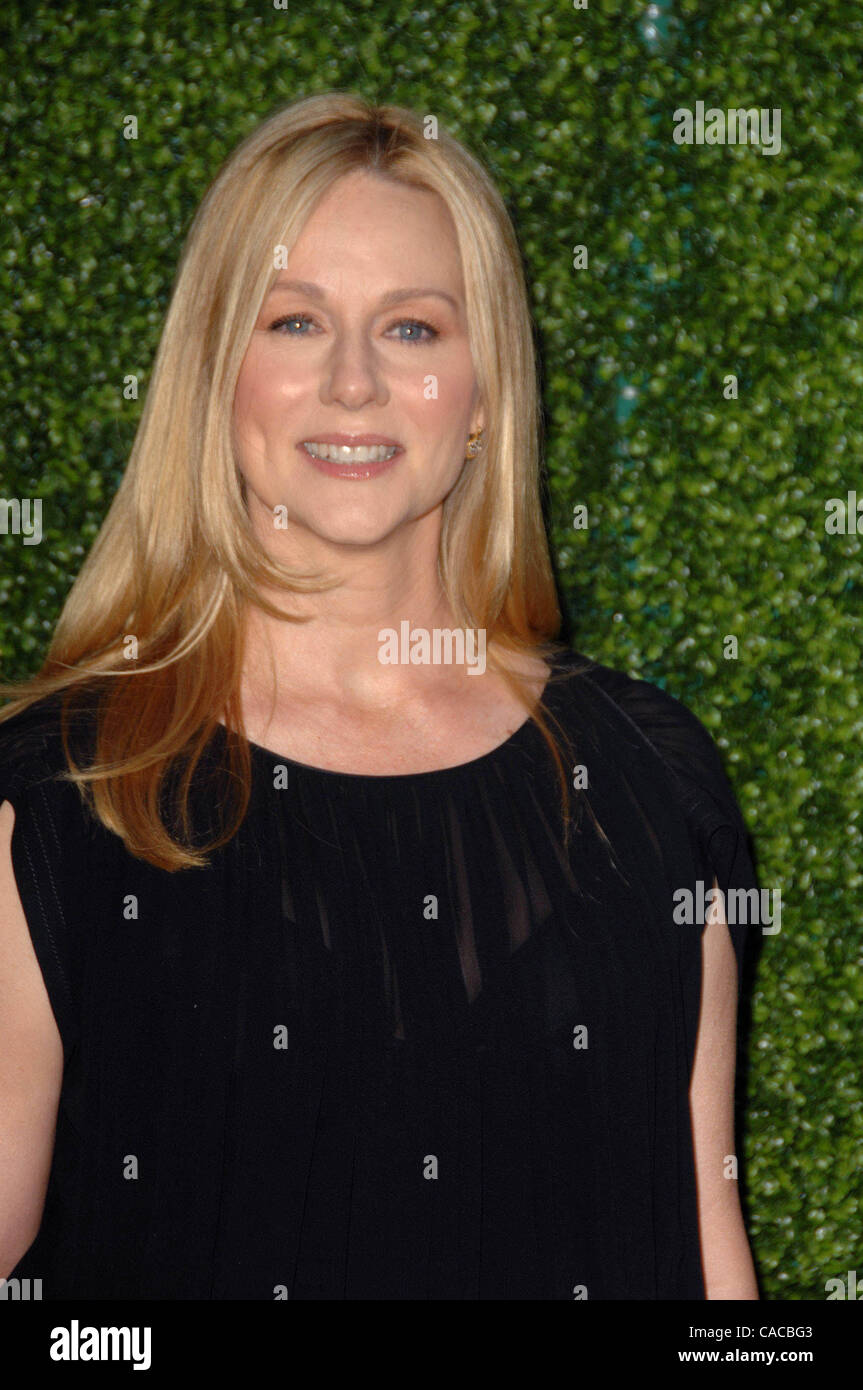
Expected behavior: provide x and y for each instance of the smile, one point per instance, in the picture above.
(346, 453)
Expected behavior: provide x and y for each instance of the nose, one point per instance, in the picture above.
(351, 374)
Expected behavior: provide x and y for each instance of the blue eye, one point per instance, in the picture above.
(290, 318)
(414, 324)
(417, 323)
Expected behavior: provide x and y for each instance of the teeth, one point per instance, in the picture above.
(346, 453)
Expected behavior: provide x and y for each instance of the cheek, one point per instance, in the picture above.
(456, 385)
(245, 393)
(257, 395)
(448, 415)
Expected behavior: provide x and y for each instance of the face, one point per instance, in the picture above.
(363, 334)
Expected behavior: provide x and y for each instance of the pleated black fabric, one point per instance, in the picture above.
(395, 1042)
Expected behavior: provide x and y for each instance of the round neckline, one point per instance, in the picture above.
(404, 777)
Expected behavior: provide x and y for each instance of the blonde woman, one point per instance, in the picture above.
(341, 952)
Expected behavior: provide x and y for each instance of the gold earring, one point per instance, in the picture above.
(475, 443)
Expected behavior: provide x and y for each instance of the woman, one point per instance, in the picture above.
(350, 968)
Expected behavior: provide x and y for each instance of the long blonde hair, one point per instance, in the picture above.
(176, 564)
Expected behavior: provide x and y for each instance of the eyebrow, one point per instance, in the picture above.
(391, 297)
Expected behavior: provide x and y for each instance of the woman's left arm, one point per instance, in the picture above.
(726, 1259)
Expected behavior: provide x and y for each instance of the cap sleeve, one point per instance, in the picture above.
(43, 848)
(716, 824)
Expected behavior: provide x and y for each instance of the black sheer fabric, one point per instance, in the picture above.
(395, 1043)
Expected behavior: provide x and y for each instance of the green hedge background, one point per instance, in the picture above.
(707, 515)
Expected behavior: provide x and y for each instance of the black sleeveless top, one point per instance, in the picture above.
(394, 1043)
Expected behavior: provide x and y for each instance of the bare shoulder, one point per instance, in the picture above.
(31, 1068)
(24, 1002)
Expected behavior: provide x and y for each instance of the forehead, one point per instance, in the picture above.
(373, 226)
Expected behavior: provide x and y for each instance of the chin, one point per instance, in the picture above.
(350, 529)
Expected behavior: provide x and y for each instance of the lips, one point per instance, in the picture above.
(351, 457)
